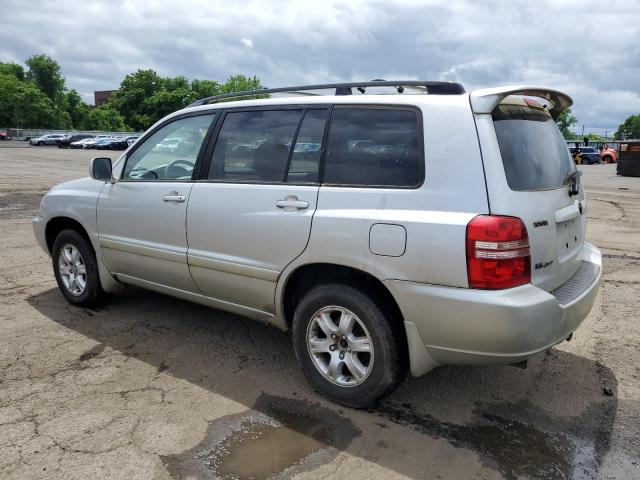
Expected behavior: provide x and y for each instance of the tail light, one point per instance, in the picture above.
(498, 254)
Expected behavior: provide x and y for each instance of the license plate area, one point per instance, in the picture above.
(568, 239)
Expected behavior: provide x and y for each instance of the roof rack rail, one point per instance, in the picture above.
(437, 88)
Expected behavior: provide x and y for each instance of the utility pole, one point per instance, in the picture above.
(583, 130)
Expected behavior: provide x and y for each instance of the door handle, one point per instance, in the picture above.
(174, 198)
(291, 203)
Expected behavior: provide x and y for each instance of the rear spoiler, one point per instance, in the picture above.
(486, 100)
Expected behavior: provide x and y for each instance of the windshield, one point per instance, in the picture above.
(534, 153)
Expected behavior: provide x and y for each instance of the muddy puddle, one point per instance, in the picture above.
(276, 439)
(280, 437)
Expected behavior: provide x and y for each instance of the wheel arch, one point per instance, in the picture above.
(57, 224)
(306, 276)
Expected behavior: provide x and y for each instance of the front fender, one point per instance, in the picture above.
(76, 200)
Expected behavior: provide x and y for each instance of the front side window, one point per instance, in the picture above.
(170, 153)
(374, 147)
(254, 146)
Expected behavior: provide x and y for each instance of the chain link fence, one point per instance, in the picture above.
(25, 133)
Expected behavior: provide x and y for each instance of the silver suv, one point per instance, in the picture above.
(419, 227)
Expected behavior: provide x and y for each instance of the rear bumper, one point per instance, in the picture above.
(468, 326)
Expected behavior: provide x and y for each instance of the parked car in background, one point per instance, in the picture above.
(91, 143)
(132, 140)
(3, 135)
(609, 154)
(80, 143)
(588, 155)
(67, 140)
(384, 243)
(103, 143)
(51, 139)
(118, 143)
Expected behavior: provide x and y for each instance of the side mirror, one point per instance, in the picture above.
(100, 168)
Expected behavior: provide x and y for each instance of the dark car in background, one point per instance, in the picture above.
(588, 155)
(67, 140)
(118, 143)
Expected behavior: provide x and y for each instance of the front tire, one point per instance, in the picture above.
(76, 269)
(349, 347)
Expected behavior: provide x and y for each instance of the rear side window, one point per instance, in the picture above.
(254, 146)
(534, 153)
(374, 147)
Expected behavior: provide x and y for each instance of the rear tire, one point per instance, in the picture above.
(607, 159)
(76, 269)
(367, 358)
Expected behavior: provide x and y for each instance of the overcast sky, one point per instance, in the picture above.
(589, 49)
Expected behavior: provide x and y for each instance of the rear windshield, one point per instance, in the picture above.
(534, 153)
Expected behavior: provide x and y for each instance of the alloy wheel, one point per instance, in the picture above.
(340, 346)
(73, 270)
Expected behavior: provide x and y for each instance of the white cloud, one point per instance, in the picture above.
(587, 48)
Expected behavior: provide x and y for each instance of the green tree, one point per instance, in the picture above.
(130, 98)
(12, 69)
(165, 102)
(105, 117)
(629, 129)
(239, 83)
(76, 108)
(144, 97)
(565, 120)
(205, 88)
(22, 104)
(45, 72)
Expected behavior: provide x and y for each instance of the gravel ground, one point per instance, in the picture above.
(153, 387)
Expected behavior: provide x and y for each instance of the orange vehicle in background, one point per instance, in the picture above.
(608, 154)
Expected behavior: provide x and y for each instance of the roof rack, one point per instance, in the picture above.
(437, 88)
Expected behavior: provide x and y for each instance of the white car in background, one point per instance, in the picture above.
(80, 143)
(51, 139)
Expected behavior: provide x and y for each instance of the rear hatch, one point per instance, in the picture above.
(530, 175)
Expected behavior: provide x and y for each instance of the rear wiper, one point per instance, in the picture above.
(572, 181)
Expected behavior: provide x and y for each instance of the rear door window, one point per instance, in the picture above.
(377, 147)
(254, 146)
(305, 158)
(534, 153)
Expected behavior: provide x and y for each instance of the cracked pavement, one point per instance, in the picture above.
(150, 387)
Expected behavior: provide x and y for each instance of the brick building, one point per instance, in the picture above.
(101, 96)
